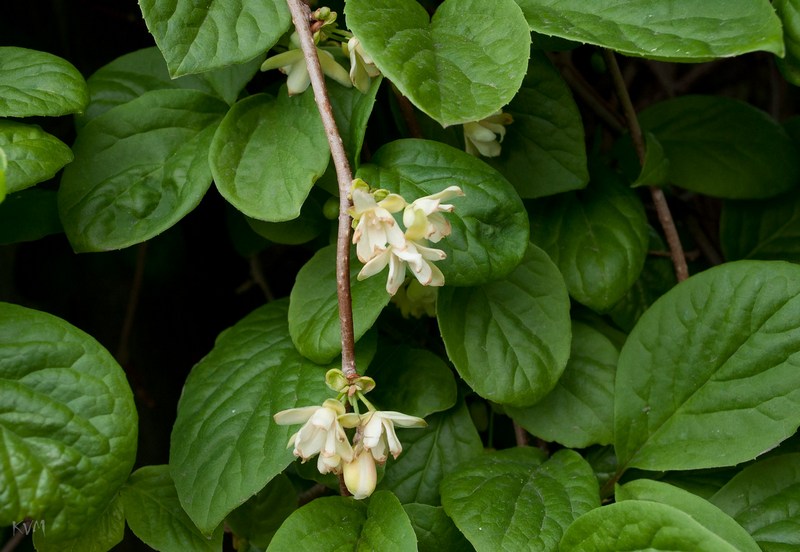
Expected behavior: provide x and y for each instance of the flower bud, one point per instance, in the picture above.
(360, 475)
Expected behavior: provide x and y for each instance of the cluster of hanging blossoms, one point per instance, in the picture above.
(380, 241)
(323, 433)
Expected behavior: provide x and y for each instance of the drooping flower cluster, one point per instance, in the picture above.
(380, 241)
(329, 40)
(323, 433)
(484, 137)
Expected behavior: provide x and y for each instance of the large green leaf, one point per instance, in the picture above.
(543, 150)
(129, 76)
(514, 500)
(509, 339)
(640, 526)
(579, 411)
(68, 423)
(490, 226)
(705, 513)
(708, 377)
(338, 524)
(267, 153)
(32, 154)
(199, 37)
(789, 12)
(38, 83)
(597, 237)
(154, 513)
(430, 454)
(768, 229)
(314, 307)
(257, 520)
(138, 169)
(101, 534)
(764, 499)
(461, 65)
(225, 445)
(722, 147)
(435, 530)
(668, 30)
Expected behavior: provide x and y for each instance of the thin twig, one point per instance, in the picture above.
(17, 537)
(123, 349)
(520, 435)
(660, 202)
(257, 274)
(301, 16)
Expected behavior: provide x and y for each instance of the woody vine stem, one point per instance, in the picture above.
(301, 16)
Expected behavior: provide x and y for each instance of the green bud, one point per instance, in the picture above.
(336, 380)
(331, 208)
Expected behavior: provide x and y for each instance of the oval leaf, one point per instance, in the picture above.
(38, 83)
(509, 339)
(708, 376)
(337, 523)
(29, 215)
(138, 169)
(672, 30)
(462, 65)
(32, 154)
(543, 150)
(435, 530)
(225, 445)
(723, 147)
(640, 526)
(511, 500)
(154, 513)
(314, 307)
(763, 498)
(68, 423)
(267, 153)
(597, 238)
(490, 226)
(101, 534)
(579, 411)
(199, 37)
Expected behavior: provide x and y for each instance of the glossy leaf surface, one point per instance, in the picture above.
(32, 155)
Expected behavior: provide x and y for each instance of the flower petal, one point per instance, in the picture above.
(294, 415)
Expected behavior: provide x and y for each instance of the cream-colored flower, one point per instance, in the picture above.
(375, 226)
(484, 137)
(360, 475)
(418, 258)
(293, 64)
(322, 434)
(423, 217)
(362, 67)
(379, 434)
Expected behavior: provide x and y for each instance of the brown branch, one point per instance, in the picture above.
(123, 348)
(18, 536)
(660, 202)
(520, 435)
(301, 16)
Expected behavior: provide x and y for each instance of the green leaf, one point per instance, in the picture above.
(789, 13)
(579, 411)
(225, 445)
(68, 423)
(490, 226)
(764, 499)
(102, 533)
(672, 30)
(723, 147)
(129, 76)
(708, 377)
(435, 530)
(655, 171)
(155, 515)
(310, 224)
(597, 237)
(38, 83)
(138, 169)
(199, 37)
(768, 229)
(29, 215)
(267, 153)
(314, 308)
(257, 520)
(543, 151)
(637, 525)
(430, 454)
(509, 339)
(705, 513)
(338, 523)
(461, 65)
(514, 500)
(352, 110)
(428, 383)
(32, 155)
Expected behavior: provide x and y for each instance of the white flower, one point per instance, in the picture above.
(419, 259)
(362, 67)
(423, 218)
(293, 64)
(322, 434)
(484, 137)
(360, 475)
(375, 225)
(379, 434)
